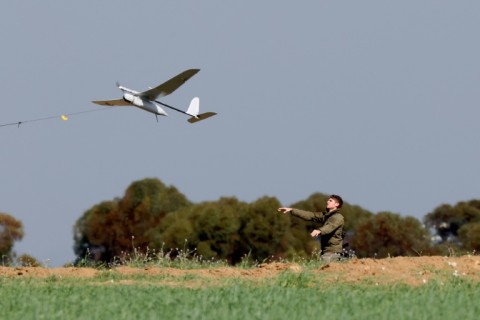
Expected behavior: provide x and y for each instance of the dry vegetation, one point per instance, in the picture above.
(413, 271)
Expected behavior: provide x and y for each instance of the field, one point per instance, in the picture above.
(393, 288)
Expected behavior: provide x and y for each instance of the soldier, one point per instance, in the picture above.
(331, 226)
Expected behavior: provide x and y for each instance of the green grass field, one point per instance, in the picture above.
(288, 296)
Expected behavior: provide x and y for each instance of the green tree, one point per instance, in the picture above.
(210, 228)
(26, 260)
(115, 228)
(469, 235)
(97, 231)
(264, 233)
(11, 230)
(388, 234)
(227, 229)
(448, 222)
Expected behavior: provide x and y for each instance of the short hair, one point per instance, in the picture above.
(338, 199)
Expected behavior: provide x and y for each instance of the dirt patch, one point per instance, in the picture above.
(48, 272)
(408, 270)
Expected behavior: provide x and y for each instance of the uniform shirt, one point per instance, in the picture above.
(331, 228)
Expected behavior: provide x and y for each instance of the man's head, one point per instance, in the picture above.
(334, 202)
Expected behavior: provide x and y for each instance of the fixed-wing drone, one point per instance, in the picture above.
(146, 100)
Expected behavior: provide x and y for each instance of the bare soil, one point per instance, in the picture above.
(413, 271)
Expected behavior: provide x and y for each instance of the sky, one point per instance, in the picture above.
(377, 101)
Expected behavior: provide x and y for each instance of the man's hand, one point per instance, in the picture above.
(284, 210)
(315, 233)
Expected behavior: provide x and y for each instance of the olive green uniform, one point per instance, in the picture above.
(331, 236)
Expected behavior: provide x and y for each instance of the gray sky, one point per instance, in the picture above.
(377, 101)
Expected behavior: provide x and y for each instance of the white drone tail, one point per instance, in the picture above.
(194, 109)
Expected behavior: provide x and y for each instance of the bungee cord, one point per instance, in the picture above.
(63, 117)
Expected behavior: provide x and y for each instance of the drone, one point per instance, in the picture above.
(147, 100)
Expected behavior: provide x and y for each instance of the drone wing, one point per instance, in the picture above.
(111, 103)
(168, 87)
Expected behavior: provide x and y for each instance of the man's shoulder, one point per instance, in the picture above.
(336, 211)
(337, 215)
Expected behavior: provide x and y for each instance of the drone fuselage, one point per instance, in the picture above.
(147, 105)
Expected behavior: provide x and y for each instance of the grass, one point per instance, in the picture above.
(289, 296)
(181, 258)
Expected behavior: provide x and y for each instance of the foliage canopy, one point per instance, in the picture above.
(458, 225)
(388, 234)
(11, 230)
(153, 217)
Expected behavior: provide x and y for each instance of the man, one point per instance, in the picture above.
(331, 226)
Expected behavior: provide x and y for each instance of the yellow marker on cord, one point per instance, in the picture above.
(64, 117)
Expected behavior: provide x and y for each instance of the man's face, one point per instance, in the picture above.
(332, 204)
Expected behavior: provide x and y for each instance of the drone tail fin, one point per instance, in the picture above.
(194, 109)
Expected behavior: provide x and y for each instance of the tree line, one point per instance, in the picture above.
(153, 217)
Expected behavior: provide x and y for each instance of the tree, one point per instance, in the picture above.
(227, 229)
(469, 235)
(11, 230)
(264, 232)
(209, 228)
(388, 234)
(26, 260)
(115, 228)
(447, 222)
(97, 231)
